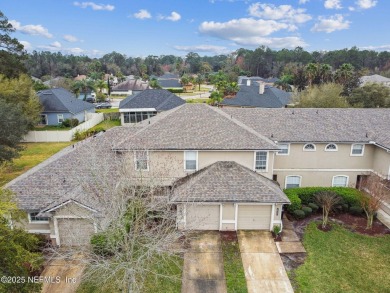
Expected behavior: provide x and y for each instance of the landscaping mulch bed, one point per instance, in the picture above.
(350, 222)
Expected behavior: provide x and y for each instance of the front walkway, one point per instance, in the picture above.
(264, 269)
(290, 240)
(203, 264)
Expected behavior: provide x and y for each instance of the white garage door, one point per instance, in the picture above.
(202, 217)
(74, 232)
(254, 217)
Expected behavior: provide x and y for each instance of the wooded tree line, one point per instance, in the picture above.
(262, 61)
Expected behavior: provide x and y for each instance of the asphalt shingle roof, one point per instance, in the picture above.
(169, 83)
(248, 96)
(59, 100)
(317, 125)
(195, 127)
(131, 84)
(227, 182)
(159, 99)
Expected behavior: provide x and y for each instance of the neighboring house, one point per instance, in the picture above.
(80, 77)
(130, 87)
(267, 81)
(169, 81)
(144, 105)
(223, 167)
(257, 94)
(59, 104)
(376, 78)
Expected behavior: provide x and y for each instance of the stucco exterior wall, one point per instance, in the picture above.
(381, 162)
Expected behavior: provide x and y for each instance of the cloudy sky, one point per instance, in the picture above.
(208, 27)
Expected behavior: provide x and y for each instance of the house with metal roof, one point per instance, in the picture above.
(146, 104)
(59, 104)
(221, 168)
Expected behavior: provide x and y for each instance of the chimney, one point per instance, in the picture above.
(248, 82)
(261, 87)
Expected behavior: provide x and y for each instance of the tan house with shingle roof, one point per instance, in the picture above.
(222, 166)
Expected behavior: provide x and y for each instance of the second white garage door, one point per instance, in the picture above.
(254, 217)
(202, 217)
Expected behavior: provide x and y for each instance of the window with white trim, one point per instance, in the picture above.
(141, 159)
(340, 181)
(293, 181)
(190, 160)
(43, 120)
(32, 217)
(309, 147)
(261, 161)
(331, 147)
(357, 149)
(60, 118)
(284, 149)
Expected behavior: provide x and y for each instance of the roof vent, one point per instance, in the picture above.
(248, 82)
(293, 112)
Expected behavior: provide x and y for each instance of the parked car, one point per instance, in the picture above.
(90, 100)
(103, 106)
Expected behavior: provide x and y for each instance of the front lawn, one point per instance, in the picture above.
(106, 124)
(111, 110)
(232, 263)
(343, 261)
(32, 155)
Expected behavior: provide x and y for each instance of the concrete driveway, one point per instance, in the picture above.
(264, 269)
(203, 264)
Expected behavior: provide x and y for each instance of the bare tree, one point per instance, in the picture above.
(327, 200)
(375, 190)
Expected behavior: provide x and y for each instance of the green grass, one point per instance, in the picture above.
(51, 127)
(199, 101)
(171, 268)
(234, 270)
(342, 261)
(32, 155)
(106, 124)
(112, 110)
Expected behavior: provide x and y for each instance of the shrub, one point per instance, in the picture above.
(276, 229)
(100, 244)
(295, 203)
(356, 210)
(307, 211)
(313, 207)
(176, 91)
(70, 122)
(299, 214)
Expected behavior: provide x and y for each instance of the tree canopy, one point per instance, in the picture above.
(370, 96)
(328, 95)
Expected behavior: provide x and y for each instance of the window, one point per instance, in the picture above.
(340, 181)
(357, 149)
(43, 120)
(190, 160)
(293, 181)
(141, 160)
(261, 161)
(331, 147)
(60, 118)
(134, 117)
(284, 149)
(309, 147)
(32, 217)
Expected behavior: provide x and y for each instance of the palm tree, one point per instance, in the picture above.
(326, 74)
(199, 80)
(311, 72)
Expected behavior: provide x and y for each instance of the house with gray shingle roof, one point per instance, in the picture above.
(375, 78)
(130, 87)
(257, 94)
(222, 169)
(59, 104)
(146, 104)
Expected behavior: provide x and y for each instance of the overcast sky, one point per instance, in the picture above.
(208, 27)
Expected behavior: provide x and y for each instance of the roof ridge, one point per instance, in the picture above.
(242, 125)
(52, 90)
(171, 95)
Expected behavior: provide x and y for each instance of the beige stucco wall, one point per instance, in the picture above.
(381, 161)
(72, 209)
(228, 211)
(321, 159)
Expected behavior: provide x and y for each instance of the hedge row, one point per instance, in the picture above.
(305, 195)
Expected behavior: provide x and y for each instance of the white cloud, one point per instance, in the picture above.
(303, 1)
(174, 16)
(142, 14)
(27, 46)
(94, 6)
(331, 24)
(203, 48)
(351, 8)
(56, 44)
(366, 4)
(241, 28)
(70, 38)
(31, 29)
(377, 48)
(284, 13)
(278, 43)
(57, 47)
(332, 4)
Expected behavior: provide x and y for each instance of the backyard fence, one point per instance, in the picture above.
(63, 135)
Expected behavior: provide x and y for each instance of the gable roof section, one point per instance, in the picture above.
(376, 78)
(248, 96)
(59, 100)
(159, 99)
(227, 182)
(196, 127)
(169, 83)
(131, 85)
(317, 125)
